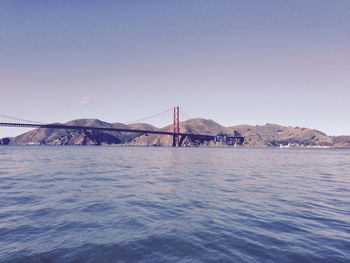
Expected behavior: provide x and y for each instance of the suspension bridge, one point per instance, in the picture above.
(177, 137)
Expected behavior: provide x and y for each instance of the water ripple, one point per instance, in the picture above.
(112, 204)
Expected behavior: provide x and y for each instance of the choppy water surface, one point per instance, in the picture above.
(119, 204)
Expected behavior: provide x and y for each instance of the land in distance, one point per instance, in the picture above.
(268, 135)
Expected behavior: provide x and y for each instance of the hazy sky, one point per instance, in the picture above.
(235, 61)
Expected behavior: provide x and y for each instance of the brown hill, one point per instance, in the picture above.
(69, 137)
(341, 142)
(142, 126)
(268, 135)
(193, 126)
(277, 135)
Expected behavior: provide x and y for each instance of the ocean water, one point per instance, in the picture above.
(131, 204)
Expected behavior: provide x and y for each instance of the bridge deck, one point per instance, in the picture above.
(77, 127)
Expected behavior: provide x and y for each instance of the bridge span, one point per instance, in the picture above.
(178, 137)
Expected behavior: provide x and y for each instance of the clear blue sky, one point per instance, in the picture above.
(236, 62)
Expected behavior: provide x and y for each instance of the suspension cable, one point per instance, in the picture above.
(191, 119)
(19, 119)
(149, 117)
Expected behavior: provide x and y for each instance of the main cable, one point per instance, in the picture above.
(19, 119)
(149, 117)
(191, 119)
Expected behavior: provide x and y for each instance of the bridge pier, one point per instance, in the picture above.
(182, 139)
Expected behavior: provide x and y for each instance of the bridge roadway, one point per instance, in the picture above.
(77, 127)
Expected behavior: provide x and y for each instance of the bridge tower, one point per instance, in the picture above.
(176, 127)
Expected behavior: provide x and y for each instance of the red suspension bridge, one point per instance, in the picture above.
(178, 137)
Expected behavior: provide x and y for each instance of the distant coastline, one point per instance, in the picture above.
(268, 135)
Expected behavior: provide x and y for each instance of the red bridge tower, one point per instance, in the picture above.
(176, 127)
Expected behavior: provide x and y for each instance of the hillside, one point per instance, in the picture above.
(268, 135)
(277, 135)
(72, 137)
(341, 142)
